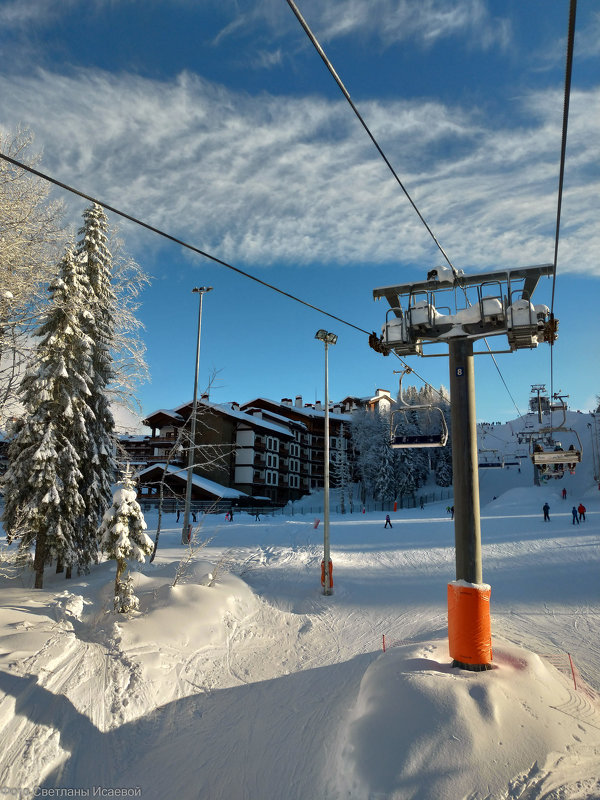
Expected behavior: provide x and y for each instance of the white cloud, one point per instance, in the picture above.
(274, 180)
(389, 21)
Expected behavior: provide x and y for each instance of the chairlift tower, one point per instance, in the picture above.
(457, 309)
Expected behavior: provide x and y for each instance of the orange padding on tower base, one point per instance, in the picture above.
(469, 629)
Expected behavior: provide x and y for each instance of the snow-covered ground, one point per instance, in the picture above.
(259, 687)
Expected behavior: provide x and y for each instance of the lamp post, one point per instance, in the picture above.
(185, 533)
(327, 339)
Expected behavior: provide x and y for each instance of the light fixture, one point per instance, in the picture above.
(325, 336)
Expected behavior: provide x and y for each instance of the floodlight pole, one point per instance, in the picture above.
(186, 532)
(327, 339)
(326, 549)
(465, 474)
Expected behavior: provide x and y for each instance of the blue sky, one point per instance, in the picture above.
(218, 122)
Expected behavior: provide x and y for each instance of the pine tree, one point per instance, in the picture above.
(385, 484)
(122, 538)
(98, 473)
(340, 471)
(42, 485)
(366, 435)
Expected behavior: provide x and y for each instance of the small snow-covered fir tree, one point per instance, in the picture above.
(43, 501)
(122, 537)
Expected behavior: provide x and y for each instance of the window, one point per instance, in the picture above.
(294, 465)
(272, 444)
(295, 450)
(294, 481)
(272, 461)
(271, 478)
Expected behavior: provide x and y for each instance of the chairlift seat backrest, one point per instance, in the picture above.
(398, 440)
(433, 440)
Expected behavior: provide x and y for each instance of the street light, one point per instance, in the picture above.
(327, 339)
(186, 532)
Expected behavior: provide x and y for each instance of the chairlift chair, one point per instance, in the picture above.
(549, 455)
(494, 461)
(400, 440)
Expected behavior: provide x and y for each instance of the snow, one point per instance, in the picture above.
(243, 681)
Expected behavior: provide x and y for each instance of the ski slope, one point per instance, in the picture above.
(260, 687)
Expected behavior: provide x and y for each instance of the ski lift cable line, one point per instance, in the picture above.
(346, 94)
(561, 175)
(178, 241)
(502, 377)
(191, 247)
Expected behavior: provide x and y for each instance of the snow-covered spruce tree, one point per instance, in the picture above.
(98, 465)
(42, 485)
(341, 478)
(366, 436)
(122, 537)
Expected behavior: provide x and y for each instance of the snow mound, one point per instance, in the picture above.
(421, 729)
(185, 618)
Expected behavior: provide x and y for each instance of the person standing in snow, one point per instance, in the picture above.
(387, 521)
(564, 494)
(546, 510)
(575, 515)
(422, 503)
(581, 509)
(451, 512)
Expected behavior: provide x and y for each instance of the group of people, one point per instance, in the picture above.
(577, 511)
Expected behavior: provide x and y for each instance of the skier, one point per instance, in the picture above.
(178, 514)
(387, 521)
(451, 512)
(575, 515)
(422, 503)
(581, 509)
(564, 494)
(546, 510)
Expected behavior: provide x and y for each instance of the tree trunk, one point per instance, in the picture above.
(121, 567)
(69, 572)
(39, 560)
(60, 567)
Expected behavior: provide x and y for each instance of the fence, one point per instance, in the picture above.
(305, 506)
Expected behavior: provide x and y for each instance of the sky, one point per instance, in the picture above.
(218, 123)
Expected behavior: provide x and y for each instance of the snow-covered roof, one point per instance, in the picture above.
(168, 412)
(228, 411)
(249, 418)
(205, 484)
(273, 414)
(308, 412)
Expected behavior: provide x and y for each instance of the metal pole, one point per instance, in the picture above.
(192, 445)
(467, 524)
(326, 552)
